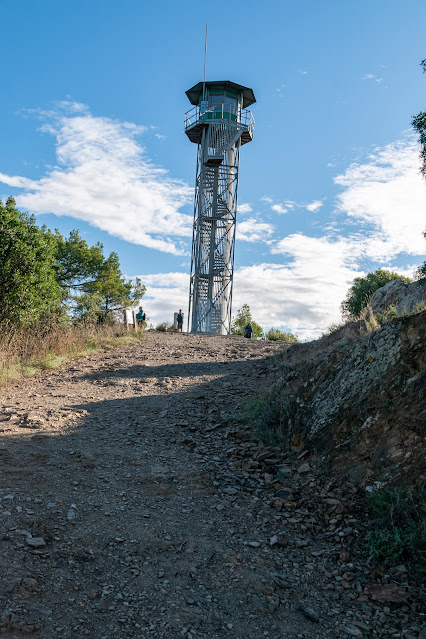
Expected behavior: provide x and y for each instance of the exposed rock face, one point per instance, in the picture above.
(361, 402)
(403, 295)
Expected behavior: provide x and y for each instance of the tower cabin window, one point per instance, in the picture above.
(223, 103)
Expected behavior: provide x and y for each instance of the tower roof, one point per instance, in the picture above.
(195, 94)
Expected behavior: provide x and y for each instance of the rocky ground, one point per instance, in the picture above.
(132, 506)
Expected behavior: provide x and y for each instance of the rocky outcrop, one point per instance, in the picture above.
(359, 403)
(405, 297)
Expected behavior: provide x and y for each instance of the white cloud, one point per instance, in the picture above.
(388, 197)
(252, 230)
(165, 294)
(244, 208)
(371, 76)
(302, 72)
(103, 176)
(279, 208)
(314, 206)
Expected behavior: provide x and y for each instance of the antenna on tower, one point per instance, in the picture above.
(205, 63)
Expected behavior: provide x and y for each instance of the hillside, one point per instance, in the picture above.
(136, 502)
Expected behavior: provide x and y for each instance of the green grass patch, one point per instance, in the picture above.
(398, 526)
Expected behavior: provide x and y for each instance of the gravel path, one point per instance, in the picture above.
(130, 506)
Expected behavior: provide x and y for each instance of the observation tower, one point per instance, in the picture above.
(219, 124)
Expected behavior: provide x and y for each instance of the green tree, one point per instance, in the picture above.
(418, 123)
(44, 274)
(77, 264)
(102, 299)
(362, 289)
(242, 319)
(274, 334)
(29, 289)
(92, 284)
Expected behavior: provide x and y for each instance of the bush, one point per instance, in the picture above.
(163, 327)
(388, 315)
(275, 335)
(398, 518)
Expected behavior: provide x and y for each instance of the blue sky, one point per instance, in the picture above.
(92, 137)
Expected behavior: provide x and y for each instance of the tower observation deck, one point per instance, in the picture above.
(219, 124)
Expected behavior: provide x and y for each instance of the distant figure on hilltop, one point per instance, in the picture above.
(140, 316)
(248, 331)
(179, 320)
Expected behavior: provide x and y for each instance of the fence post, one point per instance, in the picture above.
(126, 325)
(135, 323)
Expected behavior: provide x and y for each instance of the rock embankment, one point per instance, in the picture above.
(359, 400)
(404, 297)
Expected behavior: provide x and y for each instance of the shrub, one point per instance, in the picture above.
(163, 327)
(388, 315)
(275, 335)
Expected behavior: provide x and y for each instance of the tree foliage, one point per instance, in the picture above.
(241, 320)
(28, 285)
(420, 273)
(110, 293)
(418, 123)
(275, 335)
(77, 264)
(362, 289)
(45, 275)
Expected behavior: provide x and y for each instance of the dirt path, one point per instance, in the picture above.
(130, 507)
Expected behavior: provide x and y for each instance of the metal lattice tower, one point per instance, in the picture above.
(219, 124)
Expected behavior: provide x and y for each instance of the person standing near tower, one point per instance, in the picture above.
(248, 331)
(179, 320)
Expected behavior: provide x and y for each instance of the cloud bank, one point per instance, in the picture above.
(387, 197)
(103, 176)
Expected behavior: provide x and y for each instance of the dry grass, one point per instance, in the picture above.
(27, 351)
